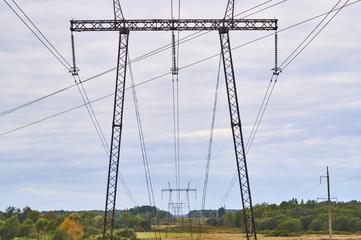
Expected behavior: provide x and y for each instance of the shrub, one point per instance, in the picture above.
(291, 225)
(126, 234)
(280, 233)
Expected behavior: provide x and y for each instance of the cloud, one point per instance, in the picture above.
(312, 120)
(41, 192)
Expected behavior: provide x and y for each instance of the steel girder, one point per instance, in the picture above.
(173, 24)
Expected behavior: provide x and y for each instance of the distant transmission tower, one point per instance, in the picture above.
(177, 207)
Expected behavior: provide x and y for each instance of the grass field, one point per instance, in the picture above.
(234, 236)
(177, 232)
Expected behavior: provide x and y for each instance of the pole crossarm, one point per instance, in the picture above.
(173, 24)
(180, 189)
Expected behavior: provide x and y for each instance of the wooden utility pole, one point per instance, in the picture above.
(329, 203)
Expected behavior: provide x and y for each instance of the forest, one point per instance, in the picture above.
(289, 218)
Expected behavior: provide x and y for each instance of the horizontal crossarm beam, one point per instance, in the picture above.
(179, 190)
(175, 24)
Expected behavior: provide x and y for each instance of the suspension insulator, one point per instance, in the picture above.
(276, 69)
(276, 50)
(174, 59)
(73, 70)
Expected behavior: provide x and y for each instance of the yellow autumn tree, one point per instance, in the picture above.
(72, 228)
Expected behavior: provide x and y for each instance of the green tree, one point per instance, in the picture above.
(54, 224)
(90, 231)
(126, 234)
(306, 221)
(27, 229)
(75, 217)
(2, 224)
(10, 211)
(355, 224)
(98, 222)
(126, 220)
(59, 234)
(267, 223)
(230, 219)
(33, 215)
(11, 228)
(221, 211)
(144, 225)
(212, 222)
(291, 225)
(41, 225)
(51, 215)
(23, 215)
(86, 216)
(238, 219)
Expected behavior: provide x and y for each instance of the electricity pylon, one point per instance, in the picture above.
(223, 26)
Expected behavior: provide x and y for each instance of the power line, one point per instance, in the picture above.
(151, 79)
(326, 15)
(138, 59)
(34, 101)
(88, 102)
(60, 58)
(142, 141)
(64, 62)
(209, 152)
(347, 180)
(157, 77)
(156, 51)
(167, 47)
(253, 133)
(309, 34)
(74, 108)
(82, 91)
(92, 115)
(250, 141)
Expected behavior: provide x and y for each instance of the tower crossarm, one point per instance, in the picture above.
(172, 24)
(180, 190)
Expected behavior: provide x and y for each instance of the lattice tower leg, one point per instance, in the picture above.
(116, 136)
(237, 135)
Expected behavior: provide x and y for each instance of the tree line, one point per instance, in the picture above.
(289, 218)
(67, 225)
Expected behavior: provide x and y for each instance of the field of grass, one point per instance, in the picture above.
(177, 232)
(237, 236)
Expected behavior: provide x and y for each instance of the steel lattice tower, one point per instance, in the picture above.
(223, 26)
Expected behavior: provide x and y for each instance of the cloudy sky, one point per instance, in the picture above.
(52, 158)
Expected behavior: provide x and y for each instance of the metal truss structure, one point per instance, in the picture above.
(117, 126)
(173, 24)
(237, 134)
(223, 26)
(178, 191)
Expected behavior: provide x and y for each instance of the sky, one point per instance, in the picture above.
(52, 158)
